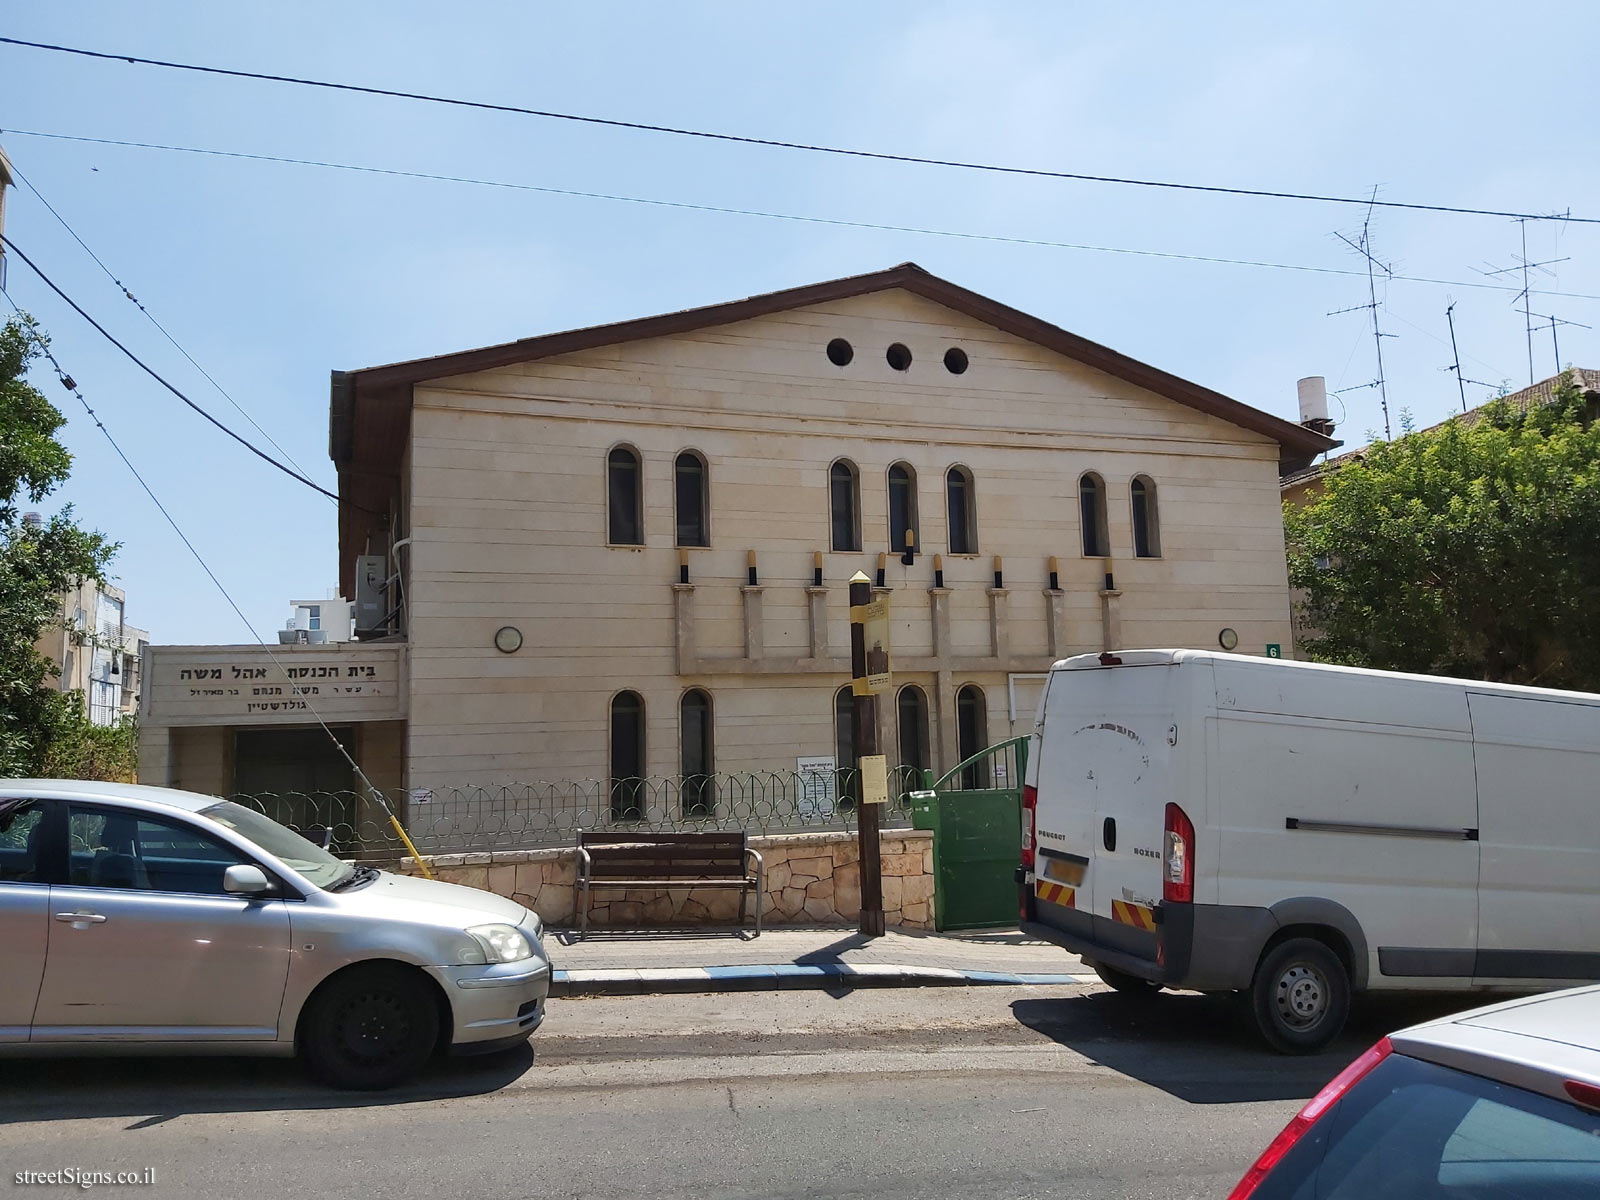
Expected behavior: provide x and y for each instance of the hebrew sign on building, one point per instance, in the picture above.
(250, 685)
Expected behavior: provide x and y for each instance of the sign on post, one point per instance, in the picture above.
(873, 618)
(874, 779)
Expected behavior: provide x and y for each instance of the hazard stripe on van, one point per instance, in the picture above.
(1136, 915)
(1055, 893)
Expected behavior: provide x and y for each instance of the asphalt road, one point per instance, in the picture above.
(908, 1093)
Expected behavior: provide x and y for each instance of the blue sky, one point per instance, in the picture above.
(273, 275)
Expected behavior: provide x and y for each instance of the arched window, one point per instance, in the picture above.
(692, 487)
(903, 507)
(697, 754)
(624, 497)
(962, 501)
(1146, 521)
(847, 782)
(972, 734)
(1092, 514)
(912, 707)
(627, 757)
(844, 506)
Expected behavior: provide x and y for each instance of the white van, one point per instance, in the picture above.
(1299, 832)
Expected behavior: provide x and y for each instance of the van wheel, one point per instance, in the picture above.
(371, 1027)
(1128, 985)
(1301, 996)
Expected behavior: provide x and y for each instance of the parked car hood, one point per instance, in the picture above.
(430, 901)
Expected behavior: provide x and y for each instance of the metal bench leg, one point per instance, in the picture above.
(581, 889)
(761, 889)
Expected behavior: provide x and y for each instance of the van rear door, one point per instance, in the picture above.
(1106, 776)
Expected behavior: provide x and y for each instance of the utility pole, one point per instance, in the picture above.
(864, 745)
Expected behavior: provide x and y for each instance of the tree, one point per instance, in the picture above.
(1469, 549)
(37, 563)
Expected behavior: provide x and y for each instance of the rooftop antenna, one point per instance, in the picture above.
(1364, 248)
(1525, 266)
(1455, 367)
(1554, 344)
(1450, 316)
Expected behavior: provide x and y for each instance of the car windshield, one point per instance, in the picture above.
(1412, 1129)
(284, 844)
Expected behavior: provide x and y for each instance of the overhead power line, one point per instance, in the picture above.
(841, 222)
(139, 304)
(71, 385)
(777, 143)
(150, 371)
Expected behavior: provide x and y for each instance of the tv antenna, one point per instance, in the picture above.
(1526, 267)
(1455, 367)
(1553, 321)
(1363, 247)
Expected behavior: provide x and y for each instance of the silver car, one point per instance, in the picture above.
(1498, 1103)
(140, 917)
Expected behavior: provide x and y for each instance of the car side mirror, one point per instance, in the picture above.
(246, 879)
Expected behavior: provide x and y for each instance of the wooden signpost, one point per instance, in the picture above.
(869, 678)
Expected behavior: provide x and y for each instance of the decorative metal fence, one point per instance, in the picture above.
(467, 819)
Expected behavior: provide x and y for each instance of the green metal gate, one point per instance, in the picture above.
(975, 812)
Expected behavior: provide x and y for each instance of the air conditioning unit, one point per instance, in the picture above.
(372, 603)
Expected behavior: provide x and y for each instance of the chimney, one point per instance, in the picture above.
(1313, 391)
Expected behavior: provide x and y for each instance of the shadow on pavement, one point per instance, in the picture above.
(1205, 1049)
(153, 1090)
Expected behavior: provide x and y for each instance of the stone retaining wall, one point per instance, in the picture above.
(811, 879)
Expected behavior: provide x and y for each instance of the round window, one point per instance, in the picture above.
(898, 357)
(840, 352)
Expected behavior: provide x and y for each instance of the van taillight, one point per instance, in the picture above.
(1178, 882)
(1030, 802)
(1308, 1116)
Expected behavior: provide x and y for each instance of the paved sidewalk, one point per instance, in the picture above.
(612, 962)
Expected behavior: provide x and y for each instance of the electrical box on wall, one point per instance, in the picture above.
(372, 604)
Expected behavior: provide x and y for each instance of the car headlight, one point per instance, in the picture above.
(495, 944)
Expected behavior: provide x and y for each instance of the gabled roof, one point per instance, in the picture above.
(369, 410)
(1296, 440)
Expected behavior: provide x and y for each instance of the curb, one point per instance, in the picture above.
(630, 981)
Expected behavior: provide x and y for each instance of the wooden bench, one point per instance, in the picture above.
(669, 860)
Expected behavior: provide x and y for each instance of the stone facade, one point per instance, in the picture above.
(811, 879)
(538, 644)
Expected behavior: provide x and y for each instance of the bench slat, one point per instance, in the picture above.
(685, 884)
(730, 840)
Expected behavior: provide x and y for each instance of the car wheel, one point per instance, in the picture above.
(1301, 996)
(1127, 985)
(371, 1027)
